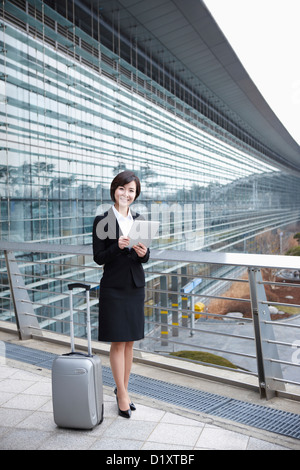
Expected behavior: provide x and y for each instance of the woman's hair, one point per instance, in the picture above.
(124, 178)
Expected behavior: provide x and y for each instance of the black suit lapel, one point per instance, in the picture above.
(114, 229)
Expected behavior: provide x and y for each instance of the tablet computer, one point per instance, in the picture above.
(142, 231)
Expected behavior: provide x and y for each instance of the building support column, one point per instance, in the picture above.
(163, 311)
(174, 302)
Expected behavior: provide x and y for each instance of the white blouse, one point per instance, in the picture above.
(125, 223)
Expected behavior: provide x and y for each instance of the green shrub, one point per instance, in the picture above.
(205, 357)
(295, 251)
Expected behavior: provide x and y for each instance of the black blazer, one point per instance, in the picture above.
(119, 265)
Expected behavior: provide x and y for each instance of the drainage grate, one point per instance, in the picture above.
(257, 416)
(29, 355)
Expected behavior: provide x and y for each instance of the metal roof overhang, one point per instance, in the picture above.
(183, 35)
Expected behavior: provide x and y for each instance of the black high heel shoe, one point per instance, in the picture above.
(131, 405)
(123, 413)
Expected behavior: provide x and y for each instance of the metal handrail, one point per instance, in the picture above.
(165, 331)
(229, 259)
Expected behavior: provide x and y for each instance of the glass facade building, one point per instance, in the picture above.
(74, 113)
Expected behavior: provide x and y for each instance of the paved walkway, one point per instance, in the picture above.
(26, 422)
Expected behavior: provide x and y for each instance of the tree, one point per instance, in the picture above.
(297, 237)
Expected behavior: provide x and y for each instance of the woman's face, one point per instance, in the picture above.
(125, 195)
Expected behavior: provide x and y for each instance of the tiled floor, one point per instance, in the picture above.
(26, 422)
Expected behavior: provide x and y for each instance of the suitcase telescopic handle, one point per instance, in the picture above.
(74, 285)
(89, 336)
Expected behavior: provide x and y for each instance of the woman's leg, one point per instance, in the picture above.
(117, 363)
(128, 354)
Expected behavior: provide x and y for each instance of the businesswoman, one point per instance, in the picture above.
(121, 301)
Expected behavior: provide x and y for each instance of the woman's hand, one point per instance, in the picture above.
(140, 249)
(123, 242)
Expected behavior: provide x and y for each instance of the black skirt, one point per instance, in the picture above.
(121, 314)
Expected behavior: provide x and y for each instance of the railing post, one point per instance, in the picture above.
(24, 312)
(265, 350)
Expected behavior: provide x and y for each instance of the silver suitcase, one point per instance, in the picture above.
(77, 389)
